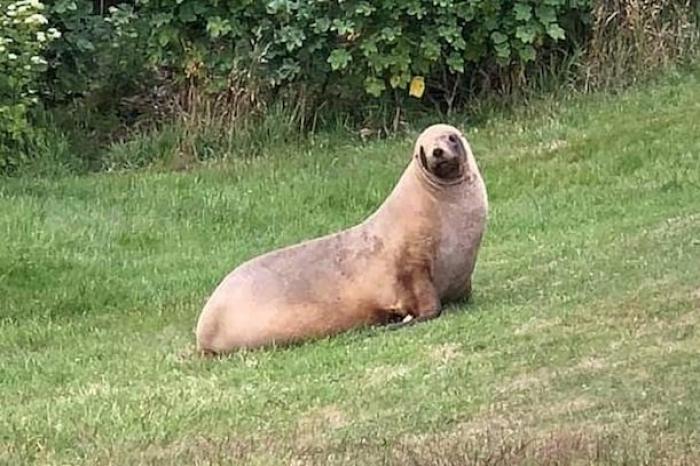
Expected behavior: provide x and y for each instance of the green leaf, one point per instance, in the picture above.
(161, 19)
(287, 71)
(498, 38)
(343, 26)
(187, 13)
(527, 53)
(546, 14)
(431, 49)
(374, 86)
(321, 25)
(490, 23)
(389, 34)
(555, 31)
(526, 34)
(466, 12)
(416, 9)
(65, 5)
(277, 6)
(503, 50)
(523, 12)
(84, 44)
(365, 9)
(217, 27)
(450, 32)
(369, 48)
(292, 37)
(339, 59)
(455, 62)
(164, 37)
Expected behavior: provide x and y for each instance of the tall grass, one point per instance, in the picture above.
(634, 38)
(192, 139)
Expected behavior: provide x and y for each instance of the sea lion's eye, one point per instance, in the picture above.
(452, 138)
(422, 152)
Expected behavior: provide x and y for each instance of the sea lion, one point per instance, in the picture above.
(415, 252)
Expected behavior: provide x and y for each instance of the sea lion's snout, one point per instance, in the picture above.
(448, 147)
(446, 161)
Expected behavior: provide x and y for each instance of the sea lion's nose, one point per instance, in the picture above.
(438, 153)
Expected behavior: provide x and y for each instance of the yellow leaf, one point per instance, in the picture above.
(417, 86)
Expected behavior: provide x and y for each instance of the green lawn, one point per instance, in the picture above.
(582, 340)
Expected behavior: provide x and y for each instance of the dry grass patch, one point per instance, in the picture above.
(445, 353)
(592, 363)
(536, 325)
(382, 374)
(527, 381)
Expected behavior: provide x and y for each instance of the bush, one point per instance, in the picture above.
(98, 55)
(213, 68)
(24, 36)
(354, 49)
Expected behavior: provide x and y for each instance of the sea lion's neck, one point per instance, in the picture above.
(412, 198)
(434, 185)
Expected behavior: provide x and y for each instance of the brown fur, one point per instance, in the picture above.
(415, 252)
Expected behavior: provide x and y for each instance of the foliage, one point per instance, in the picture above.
(98, 51)
(121, 66)
(24, 36)
(353, 45)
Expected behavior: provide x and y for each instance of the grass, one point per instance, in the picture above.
(582, 342)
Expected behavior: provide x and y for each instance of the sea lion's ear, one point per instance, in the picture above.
(421, 156)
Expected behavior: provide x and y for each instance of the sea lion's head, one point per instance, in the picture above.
(442, 153)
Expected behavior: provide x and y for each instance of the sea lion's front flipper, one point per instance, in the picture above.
(425, 304)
